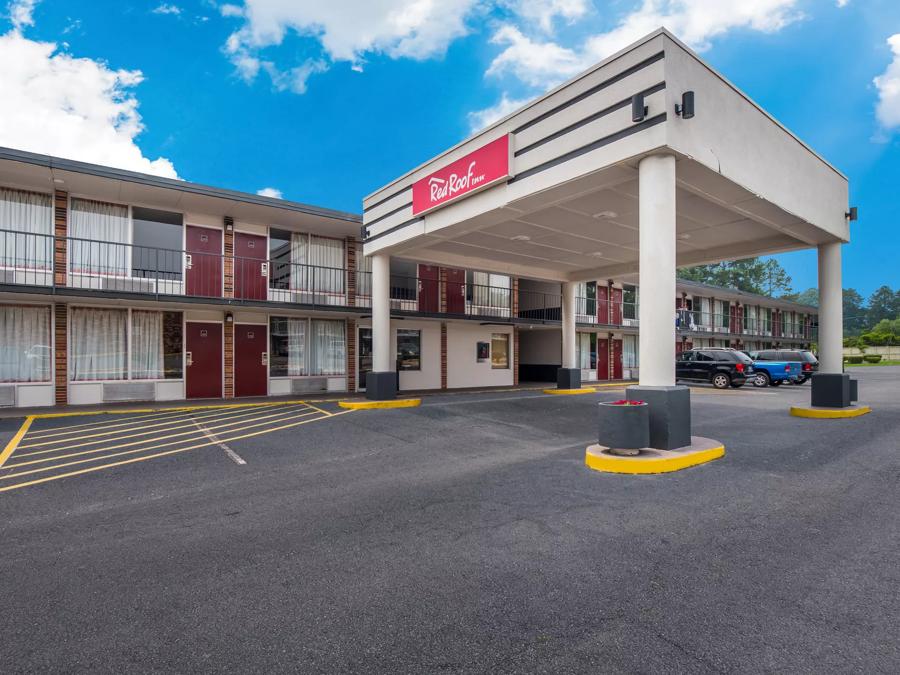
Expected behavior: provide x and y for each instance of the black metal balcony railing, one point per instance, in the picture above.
(38, 260)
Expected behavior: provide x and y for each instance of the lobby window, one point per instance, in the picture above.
(409, 349)
(499, 350)
(158, 238)
(299, 347)
(587, 351)
(98, 344)
(25, 351)
(26, 223)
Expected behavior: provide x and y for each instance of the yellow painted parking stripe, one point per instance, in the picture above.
(14, 441)
(134, 422)
(86, 413)
(324, 412)
(187, 422)
(159, 454)
(106, 423)
(192, 432)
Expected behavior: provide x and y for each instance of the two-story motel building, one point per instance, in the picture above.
(118, 286)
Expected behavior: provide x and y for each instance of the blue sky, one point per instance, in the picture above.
(326, 101)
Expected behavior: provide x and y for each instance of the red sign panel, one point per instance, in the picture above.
(479, 169)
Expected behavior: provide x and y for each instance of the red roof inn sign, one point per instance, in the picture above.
(481, 168)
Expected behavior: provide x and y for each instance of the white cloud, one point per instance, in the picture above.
(347, 30)
(166, 8)
(888, 85)
(56, 104)
(544, 12)
(842, 3)
(537, 64)
(481, 119)
(21, 13)
(270, 192)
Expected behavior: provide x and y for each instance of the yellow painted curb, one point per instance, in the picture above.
(570, 392)
(830, 413)
(377, 405)
(15, 440)
(652, 461)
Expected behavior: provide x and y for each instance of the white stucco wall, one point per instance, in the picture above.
(463, 369)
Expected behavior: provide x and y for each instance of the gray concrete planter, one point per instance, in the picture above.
(624, 428)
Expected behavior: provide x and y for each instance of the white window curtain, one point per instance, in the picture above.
(101, 236)
(490, 290)
(98, 344)
(147, 356)
(327, 348)
(326, 256)
(297, 346)
(704, 313)
(630, 351)
(26, 221)
(584, 351)
(364, 273)
(24, 344)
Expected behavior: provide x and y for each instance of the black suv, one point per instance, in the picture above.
(807, 359)
(721, 366)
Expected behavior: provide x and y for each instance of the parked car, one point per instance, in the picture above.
(720, 366)
(809, 364)
(773, 373)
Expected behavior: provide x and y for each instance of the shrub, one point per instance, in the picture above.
(872, 358)
(854, 359)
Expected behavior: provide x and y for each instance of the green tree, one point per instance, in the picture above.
(808, 297)
(753, 275)
(856, 317)
(884, 303)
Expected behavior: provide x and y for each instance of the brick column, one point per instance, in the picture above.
(61, 231)
(442, 276)
(229, 359)
(61, 354)
(515, 363)
(351, 354)
(609, 309)
(514, 301)
(443, 355)
(350, 245)
(228, 238)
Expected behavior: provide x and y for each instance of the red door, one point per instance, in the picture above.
(602, 358)
(250, 267)
(679, 346)
(204, 360)
(456, 291)
(617, 359)
(250, 360)
(203, 262)
(602, 307)
(429, 296)
(616, 307)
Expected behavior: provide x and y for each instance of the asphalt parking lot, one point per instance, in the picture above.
(462, 536)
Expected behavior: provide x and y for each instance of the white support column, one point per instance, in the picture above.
(569, 354)
(381, 313)
(657, 270)
(831, 309)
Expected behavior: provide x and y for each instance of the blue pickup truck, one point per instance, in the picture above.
(773, 372)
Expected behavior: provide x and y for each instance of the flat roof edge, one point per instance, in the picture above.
(62, 164)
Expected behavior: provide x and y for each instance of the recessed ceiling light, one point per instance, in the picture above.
(606, 214)
(59, 181)
(521, 237)
(684, 236)
(596, 254)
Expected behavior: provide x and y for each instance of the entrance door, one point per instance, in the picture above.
(203, 262)
(603, 306)
(364, 357)
(204, 360)
(250, 360)
(456, 291)
(617, 359)
(616, 307)
(251, 269)
(602, 359)
(429, 293)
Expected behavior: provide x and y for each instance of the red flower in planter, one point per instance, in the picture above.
(627, 402)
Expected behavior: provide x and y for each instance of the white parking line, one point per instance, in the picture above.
(232, 455)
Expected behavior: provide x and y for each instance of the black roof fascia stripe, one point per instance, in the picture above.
(593, 90)
(394, 228)
(606, 140)
(624, 103)
(388, 214)
(387, 199)
(61, 164)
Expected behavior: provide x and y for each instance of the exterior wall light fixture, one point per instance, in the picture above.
(686, 107)
(852, 214)
(638, 109)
